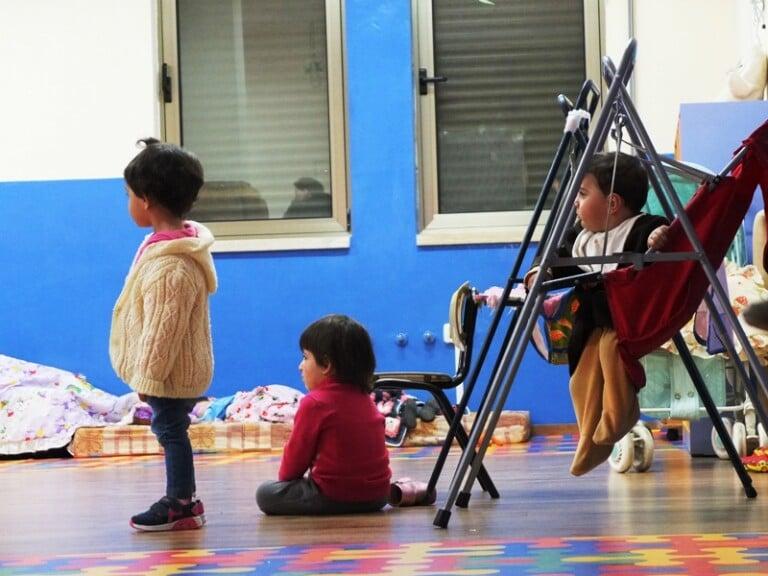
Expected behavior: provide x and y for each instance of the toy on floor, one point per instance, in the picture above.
(401, 413)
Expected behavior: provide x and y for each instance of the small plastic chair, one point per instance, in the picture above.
(462, 316)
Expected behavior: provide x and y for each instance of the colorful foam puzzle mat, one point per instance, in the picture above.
(698, 554)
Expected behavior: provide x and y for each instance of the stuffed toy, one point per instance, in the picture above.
(747, 82)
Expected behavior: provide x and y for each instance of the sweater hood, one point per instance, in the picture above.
(199, 249)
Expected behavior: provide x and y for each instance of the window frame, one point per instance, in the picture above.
(436, 229)
(277, 234)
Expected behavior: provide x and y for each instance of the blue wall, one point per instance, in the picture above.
(710, 134)
(66, 246)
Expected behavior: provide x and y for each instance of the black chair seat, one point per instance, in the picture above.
(403, 379)
(462, 316)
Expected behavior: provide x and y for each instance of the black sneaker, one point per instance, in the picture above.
(170, 514)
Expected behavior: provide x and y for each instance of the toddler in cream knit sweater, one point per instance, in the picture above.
(160, 342)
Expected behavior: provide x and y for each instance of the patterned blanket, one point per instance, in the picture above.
(745, 286)
(41, 407)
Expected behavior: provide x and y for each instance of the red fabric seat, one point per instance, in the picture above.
(650, 305)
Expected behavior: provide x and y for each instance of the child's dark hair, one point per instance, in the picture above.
(631, 182)
(166, 174)
(340, 341)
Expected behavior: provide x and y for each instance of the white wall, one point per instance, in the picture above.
(685, 50)
(77, 87)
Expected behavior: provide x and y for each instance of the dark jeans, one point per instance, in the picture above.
(170, 421)
(303, 498)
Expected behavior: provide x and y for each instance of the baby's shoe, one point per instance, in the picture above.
(407, 492)
(408, 413)
(428, 411)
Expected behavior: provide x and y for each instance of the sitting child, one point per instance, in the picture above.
(610, 221)
(338, 434)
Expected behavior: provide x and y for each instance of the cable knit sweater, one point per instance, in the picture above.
(160, 342)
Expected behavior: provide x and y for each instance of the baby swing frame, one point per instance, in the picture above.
(617, 110)
(588, 100)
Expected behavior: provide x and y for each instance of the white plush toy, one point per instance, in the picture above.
(748, 81)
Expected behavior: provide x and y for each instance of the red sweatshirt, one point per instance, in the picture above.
(339, 436)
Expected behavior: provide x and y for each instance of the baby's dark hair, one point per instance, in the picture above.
(631, 182)
(166, 174)
(340, 341)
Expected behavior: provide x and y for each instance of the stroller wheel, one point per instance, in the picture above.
(623, 454)
(762, 435)
(717, 445)
(643, 440)
(739, 436)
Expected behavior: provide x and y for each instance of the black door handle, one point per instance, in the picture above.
(165, 83)
(424, 80)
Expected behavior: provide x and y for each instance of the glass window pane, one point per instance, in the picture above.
(254, 106)
(498, 123)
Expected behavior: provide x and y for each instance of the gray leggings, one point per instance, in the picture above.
(303, 498)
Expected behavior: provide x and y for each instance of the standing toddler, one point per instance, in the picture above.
(160, 342)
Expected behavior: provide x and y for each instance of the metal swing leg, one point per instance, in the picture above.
(756, 368)
(757, 372)
(501, 382)
(617, 101)
(513, 355)
(709, 404)
(461, 437)
(582, 102)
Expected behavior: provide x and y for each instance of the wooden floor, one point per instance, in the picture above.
(64, 507)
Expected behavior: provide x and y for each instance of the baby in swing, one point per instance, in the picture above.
(610, 220)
